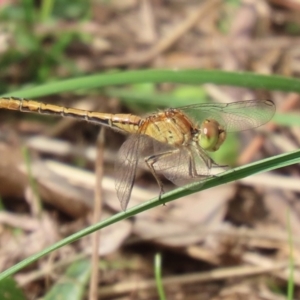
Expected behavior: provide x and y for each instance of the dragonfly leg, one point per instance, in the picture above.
(192, 166)
(208, 161)
(150, 161)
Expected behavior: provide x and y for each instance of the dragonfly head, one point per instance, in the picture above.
(212, 135)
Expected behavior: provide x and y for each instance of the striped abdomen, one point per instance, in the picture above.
(124, 122)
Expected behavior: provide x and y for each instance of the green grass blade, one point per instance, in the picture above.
(268, 164)
(249, 80)
(291, 281)
(72, 284)
(287, 119)
(158, 278)
(9, 290)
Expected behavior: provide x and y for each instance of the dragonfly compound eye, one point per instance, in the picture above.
(212, 135)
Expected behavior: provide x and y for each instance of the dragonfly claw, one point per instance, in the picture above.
(161, 193)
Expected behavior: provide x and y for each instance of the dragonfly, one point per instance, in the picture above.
(174, 142)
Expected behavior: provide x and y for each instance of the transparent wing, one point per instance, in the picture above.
(131, 153)
(125, 169)
(236, 116)
(177, 165)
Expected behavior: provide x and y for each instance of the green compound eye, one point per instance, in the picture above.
(212, 135)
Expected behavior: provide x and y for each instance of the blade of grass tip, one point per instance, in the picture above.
(291, 285)
(37, 205)
(158, 278)
(95, 275)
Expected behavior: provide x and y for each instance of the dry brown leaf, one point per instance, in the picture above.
(178, 223)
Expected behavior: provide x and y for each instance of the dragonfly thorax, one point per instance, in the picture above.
(212, 135)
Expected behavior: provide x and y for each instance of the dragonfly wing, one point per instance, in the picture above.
(130, 155)
(236, 116)
(125, 169)
(176, 166)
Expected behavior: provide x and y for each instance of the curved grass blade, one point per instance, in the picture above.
(249, 80)
(264, 165)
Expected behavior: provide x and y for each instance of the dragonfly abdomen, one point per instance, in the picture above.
(123, 122)
(26, 105)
